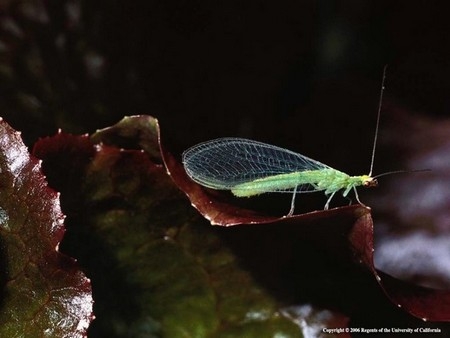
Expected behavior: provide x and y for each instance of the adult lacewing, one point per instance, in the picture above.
(248, 168)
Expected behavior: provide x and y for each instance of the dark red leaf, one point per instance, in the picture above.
(157, 267)
(43, 291)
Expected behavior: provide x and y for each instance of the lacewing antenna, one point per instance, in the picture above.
(378, 121)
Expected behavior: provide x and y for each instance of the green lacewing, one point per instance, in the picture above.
(248, 168)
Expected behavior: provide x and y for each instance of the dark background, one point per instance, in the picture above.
(300, 74)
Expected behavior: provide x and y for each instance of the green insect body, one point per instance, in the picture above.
(329, 180)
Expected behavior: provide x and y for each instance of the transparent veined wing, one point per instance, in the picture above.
(226, 162)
